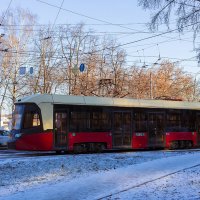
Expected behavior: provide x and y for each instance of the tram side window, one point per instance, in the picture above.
(140, 121)
(78, 121)
(99, 121)
(180, 121)
(198, 124)
(31, 119)
(174, 119)
(188, 120)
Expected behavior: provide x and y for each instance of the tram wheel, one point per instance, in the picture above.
(58, 152)
(189, 144)
(100, 147)
(78, 148)
(182, 144)
(174, 145)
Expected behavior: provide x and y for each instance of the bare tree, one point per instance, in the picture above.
(46, 62)
(166, 81)
(186, 13)
(170, 81)
(139, 83)
(56, 55)
(111, 69)
(15, 44)
(74, 43)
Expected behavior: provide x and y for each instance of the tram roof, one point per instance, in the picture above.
(107, 101)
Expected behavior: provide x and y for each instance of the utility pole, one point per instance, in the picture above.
(151, 86)
(151, 79)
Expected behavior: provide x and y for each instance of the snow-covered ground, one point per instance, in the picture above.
(128, 175)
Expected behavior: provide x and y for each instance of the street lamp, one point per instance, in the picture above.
(150, 78)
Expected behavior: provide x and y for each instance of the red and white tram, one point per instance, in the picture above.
(82, 123)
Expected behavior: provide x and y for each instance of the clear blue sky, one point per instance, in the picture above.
(121, 12)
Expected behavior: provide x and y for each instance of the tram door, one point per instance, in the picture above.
(60, 129)
(156, 125)
(122, 132)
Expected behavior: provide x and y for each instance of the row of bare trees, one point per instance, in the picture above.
(55, 55)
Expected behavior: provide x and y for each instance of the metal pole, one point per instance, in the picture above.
(151, 86)
(70, 79)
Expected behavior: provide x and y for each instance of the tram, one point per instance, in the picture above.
(58, 123)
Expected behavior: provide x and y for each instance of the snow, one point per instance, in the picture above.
(140, 175)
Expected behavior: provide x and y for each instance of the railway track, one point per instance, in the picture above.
(6, 154)
(109, 196)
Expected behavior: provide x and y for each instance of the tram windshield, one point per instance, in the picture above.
(17, 116)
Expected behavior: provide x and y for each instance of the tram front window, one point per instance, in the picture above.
(17, 116)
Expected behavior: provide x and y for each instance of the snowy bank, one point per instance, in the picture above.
(84, 176)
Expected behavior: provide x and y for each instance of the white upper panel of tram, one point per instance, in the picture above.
(106, 101)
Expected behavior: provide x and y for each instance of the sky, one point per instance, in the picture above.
(105, 16)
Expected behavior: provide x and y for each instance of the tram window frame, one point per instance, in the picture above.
(103, 122)
(140, 125)
(35, 116)
(17, 119)
(181, 123)
(173, 119)
(188, 120)
(101, 119)
(78, 121)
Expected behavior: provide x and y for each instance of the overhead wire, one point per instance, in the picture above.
(58, 55)
(114, 24)
(5, 12)
(86, 16)
(86, 24)
(58, 13)
(106, 22)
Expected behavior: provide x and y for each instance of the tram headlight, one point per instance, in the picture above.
(74, 134)
(18, 135)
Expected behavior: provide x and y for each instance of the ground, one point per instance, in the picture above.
(128, 175)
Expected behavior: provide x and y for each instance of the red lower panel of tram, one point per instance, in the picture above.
(140, 140)
(36, 141)
(93, 137)
(180, 136)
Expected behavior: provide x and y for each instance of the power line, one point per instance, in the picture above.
(86, 24)
(92, 18)
(34, 53)
(5, 13)
(173, 39)
(157, 35)
(150, 45)
(102, 32)
(57, 14)
(146, 38)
